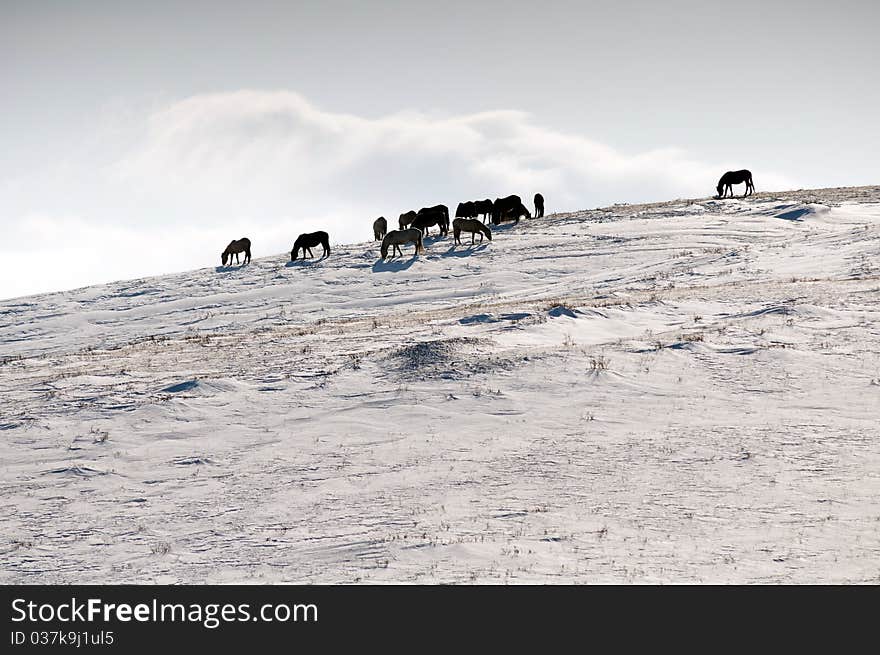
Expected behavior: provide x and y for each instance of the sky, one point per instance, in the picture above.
(140, 138)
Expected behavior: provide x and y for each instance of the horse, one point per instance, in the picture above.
(438, 209)
(483, 207)
(235, 247)
(730, 178)
(398, 237)
(380, 227)
(471, 225)
(539, 205)
(509, 207)
(308, 241)
(466, 210)
(406, 219)
(429, 217)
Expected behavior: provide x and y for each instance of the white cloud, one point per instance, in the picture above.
(268, 164)
(280, 144)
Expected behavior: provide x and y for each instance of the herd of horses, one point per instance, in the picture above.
(413, 227)
(471, 216)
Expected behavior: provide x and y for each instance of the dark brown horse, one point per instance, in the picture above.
(309, 241)
(406, 219)
(466, 210)
(508, 208)
(483, 207)
(730, 178)
(438, 210)
(431, 216)
(380, 228)
(539, 205)
(235, 247)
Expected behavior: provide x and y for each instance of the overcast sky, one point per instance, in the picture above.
(140, 138)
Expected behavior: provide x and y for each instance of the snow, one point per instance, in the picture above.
(678, 392)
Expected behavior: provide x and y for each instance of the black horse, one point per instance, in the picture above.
(435, 210)
(730, 178)
(380, 228)
(235, 247)
(483, 208)
(539, 205)
(466, 210)
(510, 207)
(309, 241)
(405, 219)
(431, 216)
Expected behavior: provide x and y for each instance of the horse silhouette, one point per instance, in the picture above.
(438, 210)
(539, 205)
(308, 241)
(483, 208)
(510, 207)
(397, 238)
(380, 227)
(466, 210)
(432, 216)
(406, 218)
(235, 247)
(730, 178)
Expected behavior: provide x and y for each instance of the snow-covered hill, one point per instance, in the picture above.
(679, 392)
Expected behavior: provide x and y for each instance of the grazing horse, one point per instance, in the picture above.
(235, 247)
(309, 241)
(406, 219)
(509, 207)
(482, 207)
(438, 209)
(471, 225)
(431, 216)
(380, 227)
(539, 205)
(398, 237)
(466, 210)
(730, 178)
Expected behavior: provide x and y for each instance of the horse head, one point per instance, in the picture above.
(223, 257)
